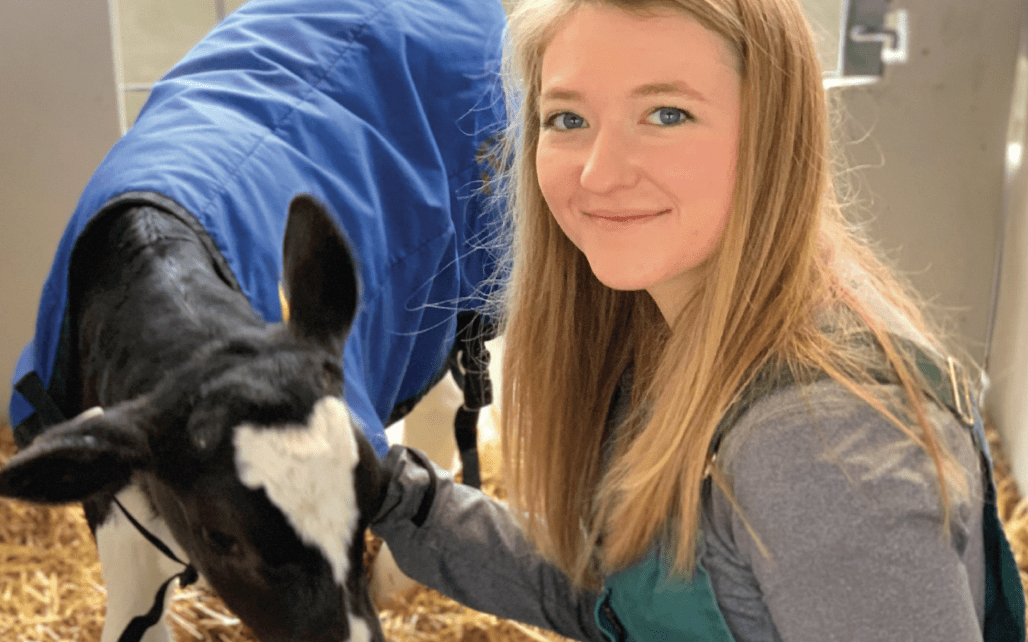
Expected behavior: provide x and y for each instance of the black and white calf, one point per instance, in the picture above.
(225, 435)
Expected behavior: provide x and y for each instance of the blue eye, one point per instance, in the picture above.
(565, 120)
(668, 116)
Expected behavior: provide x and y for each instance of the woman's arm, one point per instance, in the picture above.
(457, 540)
(848, 508)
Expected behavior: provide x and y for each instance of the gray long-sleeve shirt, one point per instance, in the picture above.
(846, 505)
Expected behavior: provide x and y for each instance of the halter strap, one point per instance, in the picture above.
(138, 625)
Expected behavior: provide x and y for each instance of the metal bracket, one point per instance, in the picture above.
(873, 37)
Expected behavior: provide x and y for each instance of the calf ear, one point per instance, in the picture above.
(320, 277)
(95, 451)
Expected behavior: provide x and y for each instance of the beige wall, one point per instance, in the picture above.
(932, 166)
(1008, 356)
(153, 36)
(934, 152)
(58, 118)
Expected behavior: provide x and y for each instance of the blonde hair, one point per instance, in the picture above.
(787, 267)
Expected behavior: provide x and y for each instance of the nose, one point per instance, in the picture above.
(610, 164)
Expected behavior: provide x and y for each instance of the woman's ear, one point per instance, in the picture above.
(319, 284)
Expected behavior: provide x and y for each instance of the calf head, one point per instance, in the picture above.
(249, 455)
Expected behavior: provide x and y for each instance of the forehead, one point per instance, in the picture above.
(269, 380)
(307, 471)
(603, 48)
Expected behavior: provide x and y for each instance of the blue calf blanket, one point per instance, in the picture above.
(382, 109)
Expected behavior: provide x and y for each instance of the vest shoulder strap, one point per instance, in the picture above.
(944, 379)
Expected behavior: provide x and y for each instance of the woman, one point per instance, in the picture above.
(723, 417)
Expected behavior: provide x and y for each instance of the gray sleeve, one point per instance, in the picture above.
(849, 510)
(468, 546)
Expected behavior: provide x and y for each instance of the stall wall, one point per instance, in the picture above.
(930, 162)
(930, 152)
(58, 117)
(1008, 355)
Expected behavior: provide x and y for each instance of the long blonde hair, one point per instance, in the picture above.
(787, 266)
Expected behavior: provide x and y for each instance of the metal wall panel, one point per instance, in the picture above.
(58, 117)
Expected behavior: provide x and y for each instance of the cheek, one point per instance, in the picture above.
(702, 179)
(701, 167)
(557, 183)
(555, 176)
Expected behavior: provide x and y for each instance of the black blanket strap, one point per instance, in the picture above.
(469, 363)
(139, 624)
(465, 428)
(31, 387)
(47, 412)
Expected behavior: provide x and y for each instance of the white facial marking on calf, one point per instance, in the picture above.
(307, 472)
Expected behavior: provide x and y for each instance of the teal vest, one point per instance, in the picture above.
(643, 601)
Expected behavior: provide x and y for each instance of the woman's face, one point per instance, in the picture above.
(636, 156)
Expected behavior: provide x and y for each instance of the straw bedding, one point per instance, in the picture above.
(51, 588)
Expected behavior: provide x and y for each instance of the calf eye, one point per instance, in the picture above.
(220, 543)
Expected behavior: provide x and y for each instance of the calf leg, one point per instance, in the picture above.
(429, 426)
(133, 569)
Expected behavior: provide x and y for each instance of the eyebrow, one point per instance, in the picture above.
(649, 89)
(556, 93)
(681, 88)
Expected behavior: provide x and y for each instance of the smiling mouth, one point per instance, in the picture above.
(625, 218)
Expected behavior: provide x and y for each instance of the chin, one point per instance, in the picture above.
(618, 280)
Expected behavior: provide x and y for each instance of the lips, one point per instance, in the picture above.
(623, 216)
